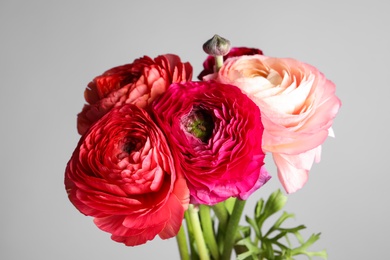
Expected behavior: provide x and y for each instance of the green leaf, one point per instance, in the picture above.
(275, 243)
(322, 254)
(268, 250)
(291, 230)
(251, 251)
(254, 225)
(313, 238)
(244, 231)
(279, 222)
(275, 203)
(259, 208)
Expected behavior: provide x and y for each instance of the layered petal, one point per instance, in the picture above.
(214, 131)
(297, 103)
(293, 170)
(122, 173)
(136, 83)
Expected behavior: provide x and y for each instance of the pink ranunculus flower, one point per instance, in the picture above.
(209, 63)
(122, 173)
(297, 104)
(214, 131)
(137, 83)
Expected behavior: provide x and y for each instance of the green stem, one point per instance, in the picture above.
(198, 234)
(232, 229)
(221, 213)
(190, 233)
(208, 230)
(223, 217)
(182, 244)
(218, 62)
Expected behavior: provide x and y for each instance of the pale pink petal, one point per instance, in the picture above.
(291, 178)
(317, 158)
(293, 169)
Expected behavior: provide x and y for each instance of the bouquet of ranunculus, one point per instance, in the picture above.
(161, 154)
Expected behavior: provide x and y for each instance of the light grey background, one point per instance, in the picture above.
(50, 50)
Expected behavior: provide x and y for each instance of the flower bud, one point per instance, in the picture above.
(217, 46)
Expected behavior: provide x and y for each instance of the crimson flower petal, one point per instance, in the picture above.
(122, 174)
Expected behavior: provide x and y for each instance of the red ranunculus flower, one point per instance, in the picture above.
(214, 132)
(209, 63)
(137, 83)
(122, 174)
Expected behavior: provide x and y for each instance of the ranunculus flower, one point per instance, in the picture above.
(122, 174)
(297, 104)
(209, 63)
(137, 83)
(214, 131)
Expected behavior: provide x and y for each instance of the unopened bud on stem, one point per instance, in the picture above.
(217, 46)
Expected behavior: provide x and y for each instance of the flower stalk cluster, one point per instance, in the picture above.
(251, 241)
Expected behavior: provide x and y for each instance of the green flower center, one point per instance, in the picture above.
(199, 123)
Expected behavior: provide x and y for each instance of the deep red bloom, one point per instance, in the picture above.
(122, 174)
(215, 133)
(209, 63)
(137, 83)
